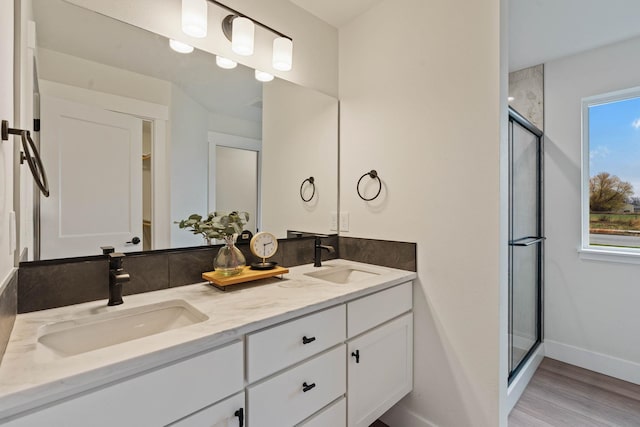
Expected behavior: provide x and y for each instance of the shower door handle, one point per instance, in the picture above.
(532, 240)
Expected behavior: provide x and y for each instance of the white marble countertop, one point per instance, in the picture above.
(29, 378)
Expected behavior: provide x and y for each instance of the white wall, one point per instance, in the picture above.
(189, 170)
(235, 126)
(300, 140)
(23, 182)
(315, 59)
(74, 71)
(420, 86)
(589, 305)
(6, 147)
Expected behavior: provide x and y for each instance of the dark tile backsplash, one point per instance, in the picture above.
(149, 272)
(8, 308)
(55, 285)
(386, 253)
(50, 284)
(187, 267)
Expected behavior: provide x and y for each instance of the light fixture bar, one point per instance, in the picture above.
(235, 12)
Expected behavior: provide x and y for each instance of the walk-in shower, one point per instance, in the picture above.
(526, 240)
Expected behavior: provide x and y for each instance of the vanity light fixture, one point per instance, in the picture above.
(240, 30)
(225, 63)
(261, 76)
(194, 18)
(180, 47)
(282, 54)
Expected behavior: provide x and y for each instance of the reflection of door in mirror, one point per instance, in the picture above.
(234, 164)
(147, 146)
(96, 178)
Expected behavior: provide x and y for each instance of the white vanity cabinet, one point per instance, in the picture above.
(316, 380)
(155, 398)
(341, 366)
(380, 367)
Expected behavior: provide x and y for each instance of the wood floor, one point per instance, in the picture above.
(565, 395)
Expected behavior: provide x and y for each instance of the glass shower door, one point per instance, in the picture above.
(525, 240)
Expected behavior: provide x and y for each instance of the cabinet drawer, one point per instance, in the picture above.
(275, 348)
(370, 311)
(223, 414)
(282, 401)
(152, 399)
(333, 416)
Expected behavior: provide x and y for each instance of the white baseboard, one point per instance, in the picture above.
(598, 362)
(520, 382)
(400, 416)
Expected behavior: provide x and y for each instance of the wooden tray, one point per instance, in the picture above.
(246, 275)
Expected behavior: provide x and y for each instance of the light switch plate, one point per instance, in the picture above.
(344, 221)
(333, 221)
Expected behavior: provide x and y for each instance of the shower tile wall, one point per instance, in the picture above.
(526, 87)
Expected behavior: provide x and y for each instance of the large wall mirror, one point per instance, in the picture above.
(135, 136)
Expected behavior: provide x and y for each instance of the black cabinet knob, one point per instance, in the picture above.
(240, 414)
(306, 387)
(135, 240)
(356, 354)
(306, 340)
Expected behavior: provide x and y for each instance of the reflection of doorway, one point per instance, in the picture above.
(237, 182)
(234, 176)
(153, 118)
(147, 174)
(95, 177)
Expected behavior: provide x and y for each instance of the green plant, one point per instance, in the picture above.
(217, 225)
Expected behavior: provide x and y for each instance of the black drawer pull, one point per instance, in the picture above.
(306, 387)
(356, 354)
(240, 414)
(306, 340)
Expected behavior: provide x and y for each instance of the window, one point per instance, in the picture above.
(611, 173)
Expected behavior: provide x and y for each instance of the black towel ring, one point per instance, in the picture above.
(373, 175)
(29, 148)
(312, 183)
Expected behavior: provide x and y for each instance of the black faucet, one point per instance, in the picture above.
(317, 253)
(117, 276)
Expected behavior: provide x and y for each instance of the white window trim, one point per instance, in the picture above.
(594, 252)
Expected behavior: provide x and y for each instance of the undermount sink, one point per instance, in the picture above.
(343, 275)
(71, 337)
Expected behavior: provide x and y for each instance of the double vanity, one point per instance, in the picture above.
(328, 346)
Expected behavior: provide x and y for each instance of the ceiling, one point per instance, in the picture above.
(336, 12)
(539, 30)
(544, 30)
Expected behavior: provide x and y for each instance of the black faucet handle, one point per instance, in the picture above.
(106, 250)
(115, 260)
(318, 239)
